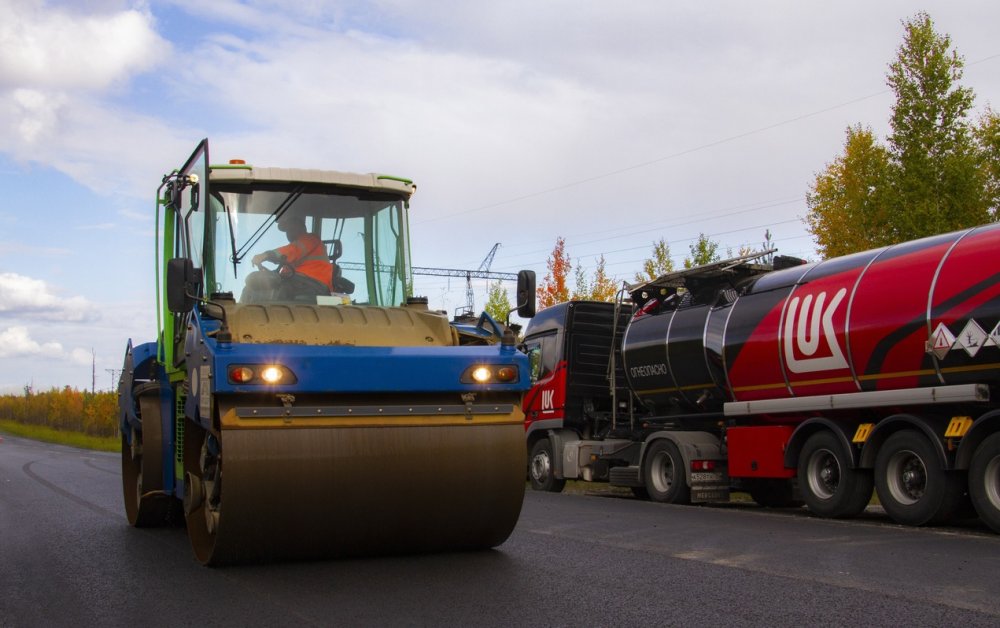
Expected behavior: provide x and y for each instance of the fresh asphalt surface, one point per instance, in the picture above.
(67, 557)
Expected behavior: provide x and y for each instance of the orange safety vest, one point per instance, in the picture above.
(307, 256)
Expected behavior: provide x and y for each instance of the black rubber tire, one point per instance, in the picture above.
(141, 510)
(984, 481)
(146, 505)
(541, 468)
(663, 473)
(773, 493)
(830, 487)
(912, 487)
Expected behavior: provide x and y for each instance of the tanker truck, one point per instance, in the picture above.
(312, 406)
(796, 382)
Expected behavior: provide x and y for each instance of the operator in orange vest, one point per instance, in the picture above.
(304, 269)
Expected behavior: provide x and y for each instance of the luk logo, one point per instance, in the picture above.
(804, 328)
(547, 399)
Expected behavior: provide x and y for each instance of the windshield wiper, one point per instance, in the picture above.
(238, 255)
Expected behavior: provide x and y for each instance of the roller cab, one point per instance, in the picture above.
(302, 403)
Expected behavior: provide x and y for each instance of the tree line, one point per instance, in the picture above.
(66, 409)
(937, 171)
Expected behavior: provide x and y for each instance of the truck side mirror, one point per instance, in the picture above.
(183, 285)
(526, 293)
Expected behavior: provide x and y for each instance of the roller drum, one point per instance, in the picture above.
(368, 488)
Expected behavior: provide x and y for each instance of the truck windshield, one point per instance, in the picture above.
(368, 230)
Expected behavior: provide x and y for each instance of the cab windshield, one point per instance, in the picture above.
(363, 234)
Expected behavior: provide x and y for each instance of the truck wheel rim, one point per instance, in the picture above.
(540, 466)
(906, 477)
(991, 482)
(663, 472)
(823, 474)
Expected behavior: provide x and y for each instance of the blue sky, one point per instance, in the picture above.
(610, 124)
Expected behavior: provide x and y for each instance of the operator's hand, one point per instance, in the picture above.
(260, 258)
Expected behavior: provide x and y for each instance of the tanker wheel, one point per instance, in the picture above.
(541, 469)
(911, 485)
(830, 486)
(142, 509)
(984, 481)
(663, 473)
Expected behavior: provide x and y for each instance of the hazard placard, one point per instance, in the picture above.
(941, 341)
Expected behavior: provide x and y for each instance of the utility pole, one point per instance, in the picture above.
(114, 376)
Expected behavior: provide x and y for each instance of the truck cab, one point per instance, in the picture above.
(570, 346)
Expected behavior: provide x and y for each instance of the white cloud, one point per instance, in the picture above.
(35, 113)
(81, 356)
(16, 342)
(57, 64)
(22, 296)
(45, 46)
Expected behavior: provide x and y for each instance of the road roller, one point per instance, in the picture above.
(299, 402)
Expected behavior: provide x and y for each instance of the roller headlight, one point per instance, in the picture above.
(261, 374)
(481, 374)
(271, 374)
(490, 374)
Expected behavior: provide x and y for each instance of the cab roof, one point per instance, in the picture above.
(370, 181)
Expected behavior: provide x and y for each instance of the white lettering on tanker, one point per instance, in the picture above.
(808, 325)
(648, 370)
(548, 399)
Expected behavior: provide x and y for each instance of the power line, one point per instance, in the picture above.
(682, 153)
(646, 227)
(689, 151)
(657, 160)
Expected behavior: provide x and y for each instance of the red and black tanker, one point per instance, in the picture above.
(878, 367)
(918, 314)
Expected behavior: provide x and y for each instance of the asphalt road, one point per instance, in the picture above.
(68, 558)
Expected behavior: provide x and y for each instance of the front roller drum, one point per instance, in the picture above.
(273, 493)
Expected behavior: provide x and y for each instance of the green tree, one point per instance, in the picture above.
(848, 204)
(657, 265)
(937, 172)
(600, 287)
(497, 301)
(554, 289)
(603, 287)
(937, 180)
(704, 251)
(987, 137)
(582, 289)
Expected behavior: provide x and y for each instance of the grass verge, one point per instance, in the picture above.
(49, 435)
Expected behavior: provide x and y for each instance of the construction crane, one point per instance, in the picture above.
(483, 272)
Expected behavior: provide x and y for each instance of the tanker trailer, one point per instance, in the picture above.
(813, 381)
(314, 408)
